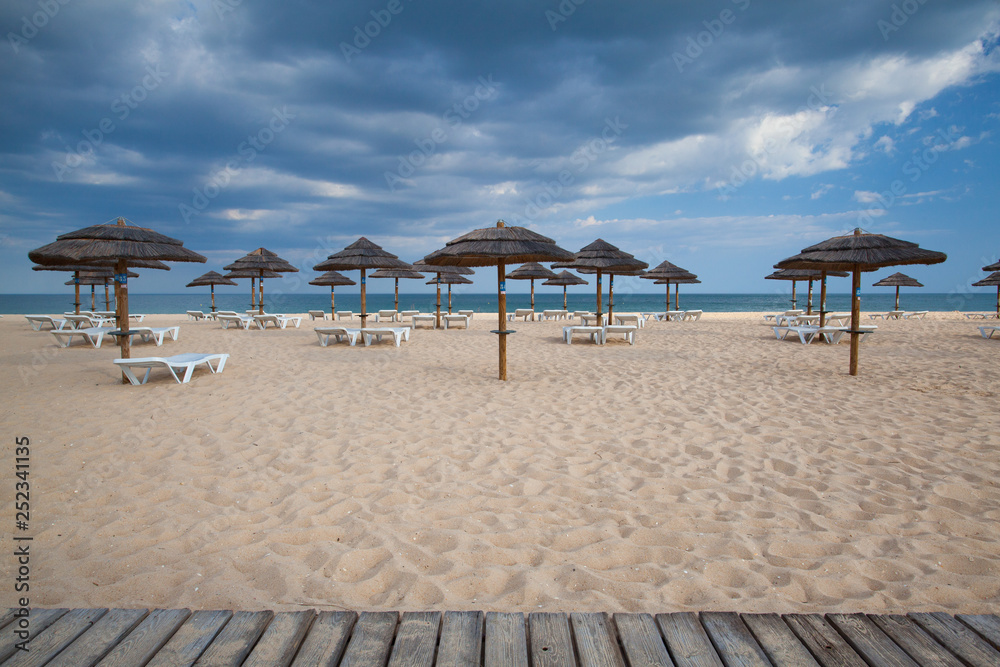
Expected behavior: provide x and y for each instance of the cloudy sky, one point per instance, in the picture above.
(722, 136)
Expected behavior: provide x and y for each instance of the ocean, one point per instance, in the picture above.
(48, 304)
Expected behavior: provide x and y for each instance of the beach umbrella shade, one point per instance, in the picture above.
(439, 271)
(897, 280)
(261, 260)
(601, 257)
(664, 273)
(95, 278)
(499, 246)
(449, 279)
(564, 279)
(252, 274)
(992, 267)
(211, 279)
(531, 271)
(360, 256)
(98, 266)
(396, 274)
(858, 252)
(122, 243)
(333, 279)
(990, 281)
(796, 275)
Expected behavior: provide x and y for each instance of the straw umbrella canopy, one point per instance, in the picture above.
(261, 260)
(897, 280)
(565, 278)
(499, 246)
(602, 257)
(858, 252)
(796, 275)
(664, 273)
(333, 279)
(123, 244)
(212, 278)
(990, 281)
(396, 274)
(992, 267)
(531, 271)
(449, 279)
(252, 274)
(359, 256)
(99, 266)
(438, 271)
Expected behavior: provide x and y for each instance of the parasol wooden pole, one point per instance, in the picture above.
(532, 294)
(564, 297)
(998, 301)
(822, 299)
(897, 298)
(677, 296)
(107, 298)
(333, 311)
(793, 295)
(855, 318)
(668, 295)
(395, 302)
(260, 298)
(93, 298)
(449, 298)
(212, 287)
(253, 293)
(121, 306)
(809, 304)
(611, 297)
(502, 316)
(437, 308)
(599, 295)
(364, 313)
(76, 286)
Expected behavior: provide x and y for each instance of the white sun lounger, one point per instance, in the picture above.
(156, 333)
(980, 316)
(280, 321)
(196, 315)
(692, 315)
(637, 320)
(596, 333)
(454, 320)
(238, 320)
(36, 322)
(592, 320)
(808, 334)
(839, 319)
(85, 321)
(409, 313)
(987, 332)
(390, 315)
(526, 313)
(398, 334)
(338, 333)
(628, 330)
(673, 315)
(317, 314)
(423, 317)
(891, 315)
(178, 362)
(467, 313)
(93, 335)
(780, 317)
(341, 314)
(915, 314)
(554, 314)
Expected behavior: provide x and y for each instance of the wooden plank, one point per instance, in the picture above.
(596, 643)
(38, 620)
(278, 644)
(871, 643)
(551, 642)
(987, 625)
(235, 641)
(915, 641)
(958, 638)
(687, 641)
(416, 639)
(7, 616)
(191, 639)
(733, 641)
(56, 637)
(148, 637)
(461, 639)
(825, 643)
(96, 642)
(372, 639)
(505, 640)
(783, 648)
(641, 640)
(326, 640)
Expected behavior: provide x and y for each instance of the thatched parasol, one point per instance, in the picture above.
(858, 252)
(992, 267)
(564, 279)
(795, 275)
(439, 271)
(396, 274)
(500, 245)
(361, 255)
(897, 280)
(531, 271)
(333, 279)
(212, 278)
(99, 266)
(990, 281)
(602, 257)
(448, 278)
(261, 260)
(665, 273)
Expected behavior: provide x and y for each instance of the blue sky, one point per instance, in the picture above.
(722, 136)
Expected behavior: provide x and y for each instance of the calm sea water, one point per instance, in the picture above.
(299, 303)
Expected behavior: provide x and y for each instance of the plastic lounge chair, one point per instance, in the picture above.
(692, 315)
(977, 316)
(637, 320)
(467, 313)
(238, 320)
(596, 333)
(409, 313)
(390, 315)
(422, 317)
(629, 331)
(317, 314)
(338, 333)
(673, 315)
(398, 334)
(36, 322)
(196, 315)
(156, 333)
(987, 332)
(554, 314)
(839, 319)
(525, 313)
(178, 362)
(93, 335)
(591, 320)
(280, 321)
(915, 314)
(805, 334)
(455, 319)
(341, 314)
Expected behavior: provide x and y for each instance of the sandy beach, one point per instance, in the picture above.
(708, 467)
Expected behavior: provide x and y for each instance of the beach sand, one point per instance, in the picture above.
(708, 467)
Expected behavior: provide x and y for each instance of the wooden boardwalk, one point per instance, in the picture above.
(177, 637)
